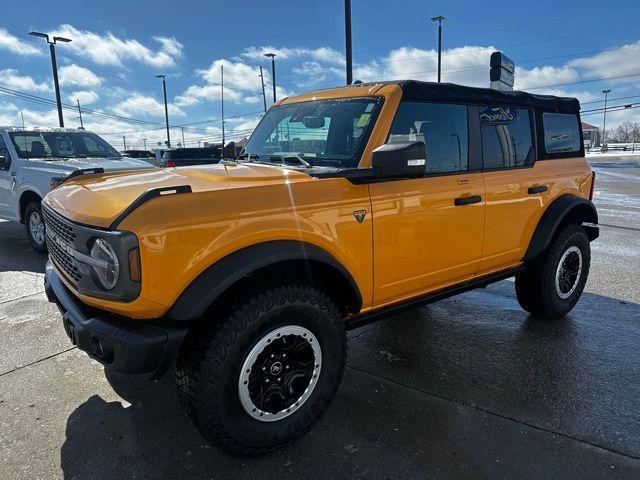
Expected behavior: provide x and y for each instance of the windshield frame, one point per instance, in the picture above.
(348, 163)
(24, 155)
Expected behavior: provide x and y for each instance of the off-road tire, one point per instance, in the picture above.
(34, 208)
(535, 287)
(209, 364)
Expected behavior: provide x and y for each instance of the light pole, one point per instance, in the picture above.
(166, 108)
(80, 114)
(439, 19)
(54, 67)
(273, 73)
(604, 120)
(347, 35)
(144, 141)
(222, 105)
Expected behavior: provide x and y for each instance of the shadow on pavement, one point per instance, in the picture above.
(16, 253)
(469, 387)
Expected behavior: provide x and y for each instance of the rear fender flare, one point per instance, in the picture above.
(558, 212)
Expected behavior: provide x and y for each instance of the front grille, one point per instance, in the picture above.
(58, 226)
(60, 232)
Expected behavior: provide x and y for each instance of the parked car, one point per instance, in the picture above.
(144, 154)
(180, 157)
(32, 161)
(349, 204)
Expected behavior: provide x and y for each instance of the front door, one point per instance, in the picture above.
(428, 232)
(6, 183)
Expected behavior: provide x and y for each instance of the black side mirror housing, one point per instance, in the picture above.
(401, 159)
(4, 162)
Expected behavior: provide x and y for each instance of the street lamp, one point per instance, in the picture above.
(604, 120)
(439, 19)
(273, 72)
(166, 109)
(54, 67)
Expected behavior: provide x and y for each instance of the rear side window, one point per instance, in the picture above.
(507, 137)
(561, 133)
(442, 128)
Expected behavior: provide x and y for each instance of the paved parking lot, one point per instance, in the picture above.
(470, 387)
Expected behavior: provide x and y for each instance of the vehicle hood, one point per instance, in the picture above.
(100, 198)
(66, 166)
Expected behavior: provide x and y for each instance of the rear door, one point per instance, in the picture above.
(515, 190)
(428, 231)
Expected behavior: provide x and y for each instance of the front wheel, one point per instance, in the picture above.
(265, 375)
(554, 283)
(34, 225)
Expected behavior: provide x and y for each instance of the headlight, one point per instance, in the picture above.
(107, 268)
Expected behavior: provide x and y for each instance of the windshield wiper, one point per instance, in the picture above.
(297, 158)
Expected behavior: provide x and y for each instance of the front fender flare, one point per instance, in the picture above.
(217, 278)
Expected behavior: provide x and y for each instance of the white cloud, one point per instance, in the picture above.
(241, 82)
(311, 73)
(108, 49)
(138, 105)
(624, 60)
(86, 97)
(80, 76)
(10, 78)
(546, 75)
(322, 54)
(15, 45)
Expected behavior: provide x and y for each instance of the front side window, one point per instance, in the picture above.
(4, 152)
(561, 133)
(507, 139)
(324, 133)
(60, 145)
(442, 128)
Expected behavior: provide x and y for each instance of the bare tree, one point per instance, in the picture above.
(626, 132)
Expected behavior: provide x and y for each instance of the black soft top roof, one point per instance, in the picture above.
(451, 92)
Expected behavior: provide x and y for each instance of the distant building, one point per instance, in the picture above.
(590, 135)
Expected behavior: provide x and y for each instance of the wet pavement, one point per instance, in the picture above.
(470, 387)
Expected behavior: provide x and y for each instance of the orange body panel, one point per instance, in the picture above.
(412, 240)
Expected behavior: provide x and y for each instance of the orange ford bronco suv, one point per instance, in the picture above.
(347, 204)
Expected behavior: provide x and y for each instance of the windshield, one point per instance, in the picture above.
(326, 133)
(61, 145)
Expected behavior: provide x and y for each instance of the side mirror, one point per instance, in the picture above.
(402, 159)
(4, 162)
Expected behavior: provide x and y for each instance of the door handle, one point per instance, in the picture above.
(538, 189)
(467, 200)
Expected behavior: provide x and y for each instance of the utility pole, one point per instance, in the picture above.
(166, 108)
(144, 141)
(264, 97)
(604, 120)
(347, 31)
(439, 19)
(182, 136)
(273, 73)
(22, 115)
(80, 114)
(124, 140)
(222, 105)
(54, 67)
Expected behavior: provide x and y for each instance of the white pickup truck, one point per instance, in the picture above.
(33, 161)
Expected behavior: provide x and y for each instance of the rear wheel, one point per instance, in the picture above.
(34, 225)
(553, 284)
(265, 375)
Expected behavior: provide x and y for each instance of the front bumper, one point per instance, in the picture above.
(121, 344)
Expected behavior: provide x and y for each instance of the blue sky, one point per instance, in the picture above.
(560, 47)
